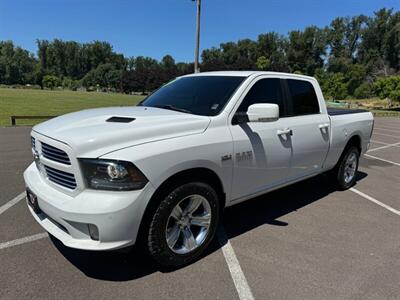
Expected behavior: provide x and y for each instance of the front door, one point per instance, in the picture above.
(261, 151)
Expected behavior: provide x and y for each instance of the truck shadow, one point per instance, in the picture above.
(239, 219)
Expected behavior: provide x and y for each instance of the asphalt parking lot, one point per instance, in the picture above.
(306, 241)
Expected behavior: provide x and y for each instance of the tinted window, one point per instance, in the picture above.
(264, 91)
(200, 95)
(303, 98)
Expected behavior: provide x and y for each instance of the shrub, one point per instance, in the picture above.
(388, 88)
(68, 83)
(335, 86)
(363, 91)
(51, 81)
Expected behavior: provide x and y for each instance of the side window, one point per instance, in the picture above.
(264, 91)
(304, 100)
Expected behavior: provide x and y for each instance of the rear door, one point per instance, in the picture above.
(310, 128)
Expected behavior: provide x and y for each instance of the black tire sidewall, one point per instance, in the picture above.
(342, 184)
(157, 243)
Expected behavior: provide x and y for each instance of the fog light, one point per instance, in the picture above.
(94, 232)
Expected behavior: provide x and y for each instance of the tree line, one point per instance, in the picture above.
(355, 56)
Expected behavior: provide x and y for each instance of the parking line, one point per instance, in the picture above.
(23, 240)
(395, 211)
(385, 160)
(384, 147)
(378, 142)
(242, 287)
(12, 202)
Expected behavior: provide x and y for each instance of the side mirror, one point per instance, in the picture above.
(263, 112)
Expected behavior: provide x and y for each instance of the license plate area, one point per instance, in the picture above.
(32, 201)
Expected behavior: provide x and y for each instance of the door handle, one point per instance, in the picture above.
(284, 131)
(322, 126)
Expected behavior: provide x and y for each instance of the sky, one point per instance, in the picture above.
(158, 27)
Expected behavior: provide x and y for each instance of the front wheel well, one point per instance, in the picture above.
(190, 175)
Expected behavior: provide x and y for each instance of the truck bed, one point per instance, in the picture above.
(344, 111)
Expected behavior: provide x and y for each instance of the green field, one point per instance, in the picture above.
(42, 102)
(28, 102)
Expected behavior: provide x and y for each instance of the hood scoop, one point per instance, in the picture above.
(120, 120)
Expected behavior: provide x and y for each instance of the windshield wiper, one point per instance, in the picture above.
(171, 107)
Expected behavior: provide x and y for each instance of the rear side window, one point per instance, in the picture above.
(264, 91)
(302, 97)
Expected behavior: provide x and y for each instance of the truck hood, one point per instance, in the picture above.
(91, 133)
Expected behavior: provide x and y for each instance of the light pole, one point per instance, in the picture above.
(196, 55)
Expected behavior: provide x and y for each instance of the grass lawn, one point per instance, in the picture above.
(48, 103)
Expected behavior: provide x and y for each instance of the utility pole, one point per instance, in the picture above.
(196, 56)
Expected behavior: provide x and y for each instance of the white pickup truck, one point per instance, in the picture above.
(162, 172)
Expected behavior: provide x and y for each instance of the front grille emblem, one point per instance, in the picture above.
(39, 165)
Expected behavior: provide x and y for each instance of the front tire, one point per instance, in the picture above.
(183, 224)
(345, 172)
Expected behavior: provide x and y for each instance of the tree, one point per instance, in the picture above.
(16, 64)
(168, 68)
(212, 60)
(379, 49)
(355, 75)
(306, 49)
(104, 76)
(273, 47)
(343, 38)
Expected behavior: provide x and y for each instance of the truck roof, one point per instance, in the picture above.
(248, 73)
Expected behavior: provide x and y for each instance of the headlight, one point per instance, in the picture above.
(112, 175)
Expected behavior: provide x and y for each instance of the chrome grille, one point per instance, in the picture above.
(60, 177)
(55, 154)
(33, 143)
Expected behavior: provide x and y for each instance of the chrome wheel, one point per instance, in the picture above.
(350, 167)
(188, 224)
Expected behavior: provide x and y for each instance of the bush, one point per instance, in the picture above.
(334, 86)
(68, 83)
(364, 91)
(388, 88)
(51, 81)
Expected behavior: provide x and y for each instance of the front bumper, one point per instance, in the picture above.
(117, 215)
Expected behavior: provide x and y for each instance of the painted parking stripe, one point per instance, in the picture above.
(378, 142)
(23, 240)
(12, 202)
(385, 160)
(240, 281)
(395, 211)
(384, 147)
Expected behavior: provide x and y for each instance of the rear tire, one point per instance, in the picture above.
(183, 224)
(345, 172)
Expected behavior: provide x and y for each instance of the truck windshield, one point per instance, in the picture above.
(199, 95)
